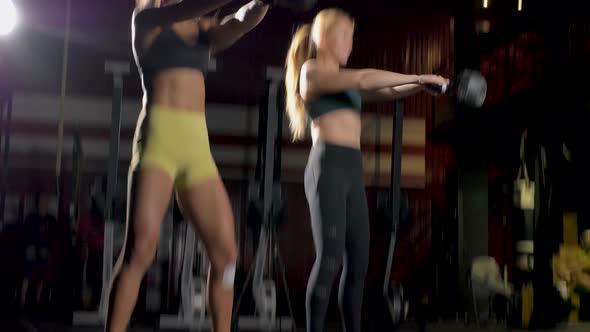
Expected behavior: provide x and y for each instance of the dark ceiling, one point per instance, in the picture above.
(100, 30)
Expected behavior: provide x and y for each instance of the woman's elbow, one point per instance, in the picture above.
(363, 85)
(364, 81)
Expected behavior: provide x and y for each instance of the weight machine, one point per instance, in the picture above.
(118, 70)
(192, 313)
(5, 124)
(397, 306)
(266, 204)
(266, 200)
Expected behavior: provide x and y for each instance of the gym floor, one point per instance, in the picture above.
(435, 327)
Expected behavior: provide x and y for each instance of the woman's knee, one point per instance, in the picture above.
(324, 273)
(328, 268)
(357, 266)
(356, 274)
(223, 262)
(221, 257)
(143, 250)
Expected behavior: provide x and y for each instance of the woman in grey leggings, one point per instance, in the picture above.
(317, 87)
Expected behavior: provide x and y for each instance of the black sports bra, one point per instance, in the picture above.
(170, 51)
(327, 103)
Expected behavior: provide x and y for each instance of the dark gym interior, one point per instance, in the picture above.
(481, 211)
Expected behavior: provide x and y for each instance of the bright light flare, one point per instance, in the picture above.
(8, 17)
(485, 4)
(519, 5)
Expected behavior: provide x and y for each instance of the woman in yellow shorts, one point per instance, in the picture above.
(172, 42)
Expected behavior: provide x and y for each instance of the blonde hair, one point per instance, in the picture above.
(303, 48)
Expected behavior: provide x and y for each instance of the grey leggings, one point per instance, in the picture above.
(340, 224)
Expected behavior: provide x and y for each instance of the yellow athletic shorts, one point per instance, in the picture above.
(175, 141)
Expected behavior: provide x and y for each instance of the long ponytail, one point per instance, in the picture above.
(301, 50)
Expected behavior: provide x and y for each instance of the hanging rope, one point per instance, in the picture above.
(64, 76)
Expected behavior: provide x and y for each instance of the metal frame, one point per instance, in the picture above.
(118, 70)
(186, 318)
(5, 108)
(77, 156)
(393, 302)
(267, 245)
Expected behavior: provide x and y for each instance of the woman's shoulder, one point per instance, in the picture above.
(309, 64)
